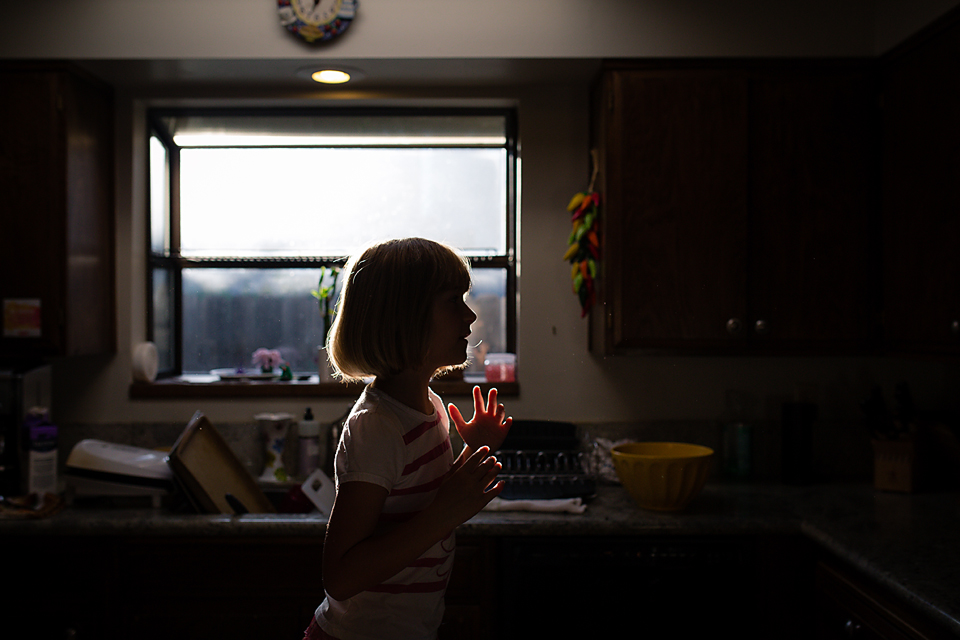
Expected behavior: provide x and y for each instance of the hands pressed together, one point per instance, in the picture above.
(468, 489)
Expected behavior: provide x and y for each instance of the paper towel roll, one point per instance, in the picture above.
(145, 362)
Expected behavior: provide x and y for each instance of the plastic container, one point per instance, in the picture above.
(500, 367)
(309, 441)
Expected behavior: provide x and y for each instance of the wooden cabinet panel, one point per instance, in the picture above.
(921, 197)
(239, 588)
(201, 587)
(740, 210)
(56, 185)
(60, 587)
(814, 263)
(674, 158)
(471, 595)
(847, 607)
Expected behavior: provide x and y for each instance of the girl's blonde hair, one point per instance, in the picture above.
(383, 314)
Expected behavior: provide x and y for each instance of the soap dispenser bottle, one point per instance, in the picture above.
(309, 441)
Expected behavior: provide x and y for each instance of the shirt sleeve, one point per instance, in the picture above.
(370, 450)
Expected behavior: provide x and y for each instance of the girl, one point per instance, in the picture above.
(389, 546)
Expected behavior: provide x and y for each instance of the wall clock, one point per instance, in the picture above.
(313, 20)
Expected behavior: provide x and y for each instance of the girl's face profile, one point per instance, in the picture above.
(450, 321)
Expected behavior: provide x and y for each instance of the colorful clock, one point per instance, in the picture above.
(313, 20)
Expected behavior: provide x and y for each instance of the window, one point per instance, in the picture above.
(246, 206)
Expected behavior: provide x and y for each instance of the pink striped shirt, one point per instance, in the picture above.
(408, 453)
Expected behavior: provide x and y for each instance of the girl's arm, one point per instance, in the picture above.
(356, 556)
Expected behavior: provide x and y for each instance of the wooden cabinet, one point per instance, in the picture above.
(921, 193)
(204, 587)
(59, 588)
(813, 272)
(56, 189)
(673, 149)
(471, 595)
(738, 211)
(848, 607)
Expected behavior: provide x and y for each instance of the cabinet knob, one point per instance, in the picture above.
(733, 326)
(761, 327)
(852, 628)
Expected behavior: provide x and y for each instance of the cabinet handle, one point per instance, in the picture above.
(852, 628)
(733, 326)
(761, 327)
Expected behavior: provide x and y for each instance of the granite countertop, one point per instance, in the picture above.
(905, 542)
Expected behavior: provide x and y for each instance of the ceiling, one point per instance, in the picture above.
(374, 73)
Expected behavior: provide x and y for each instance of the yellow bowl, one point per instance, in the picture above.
(662, 476)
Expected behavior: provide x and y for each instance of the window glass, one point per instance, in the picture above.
(163, 318)
(488, 299)
(229, 313)
(265, 198)
(159, 197)
(327, 202)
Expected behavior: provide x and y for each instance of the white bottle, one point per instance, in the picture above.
(42, 452)
(309, 441)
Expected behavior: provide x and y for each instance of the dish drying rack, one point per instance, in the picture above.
(542, 461)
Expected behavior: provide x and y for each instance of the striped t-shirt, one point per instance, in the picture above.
(408, 453)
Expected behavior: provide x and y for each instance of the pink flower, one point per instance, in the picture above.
(267, 359)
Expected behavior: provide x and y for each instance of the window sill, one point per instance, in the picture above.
(203, 387)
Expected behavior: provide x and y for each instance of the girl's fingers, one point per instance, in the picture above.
(479, 457)
(456, 415)
(492, 398)
(492, 473)
(477, 400)
(493, 491)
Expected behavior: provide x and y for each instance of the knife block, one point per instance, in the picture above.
(895, 465)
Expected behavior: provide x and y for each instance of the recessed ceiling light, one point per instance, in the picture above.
(330, 76)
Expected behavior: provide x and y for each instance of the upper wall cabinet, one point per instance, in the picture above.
(56, 194)
(921, 194)
(738, 213)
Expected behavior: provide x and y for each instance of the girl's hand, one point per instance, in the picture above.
(489, 426)
(469, 487)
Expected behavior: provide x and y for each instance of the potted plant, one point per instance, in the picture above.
(324, 293)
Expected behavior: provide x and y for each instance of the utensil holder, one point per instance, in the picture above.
(274, 427)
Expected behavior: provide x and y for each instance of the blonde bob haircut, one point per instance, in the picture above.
(384, 311)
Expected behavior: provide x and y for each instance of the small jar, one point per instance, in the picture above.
(500, 367)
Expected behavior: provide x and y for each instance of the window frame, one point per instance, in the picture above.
(173, 263)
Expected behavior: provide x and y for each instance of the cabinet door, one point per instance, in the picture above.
(470, 598)
(849, 607)
(56, 245)
(921, 197)
(673, 149)
(31, 189)
(59, 587)
(813, 271)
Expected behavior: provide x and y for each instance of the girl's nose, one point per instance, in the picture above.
(469, 313)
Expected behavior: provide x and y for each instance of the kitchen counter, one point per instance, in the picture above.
(906, 543)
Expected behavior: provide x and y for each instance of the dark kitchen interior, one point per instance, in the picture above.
(777, 281)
